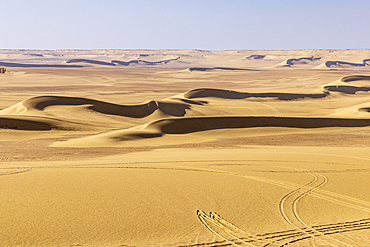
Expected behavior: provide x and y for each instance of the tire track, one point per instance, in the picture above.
(293, 236)
(294, 219)
(235, 236)
(203, 217)
(322, 194)
(274, 110)
(12, 169)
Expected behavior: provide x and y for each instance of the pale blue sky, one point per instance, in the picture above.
(185, 24)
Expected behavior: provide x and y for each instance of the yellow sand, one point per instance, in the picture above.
(185, 148)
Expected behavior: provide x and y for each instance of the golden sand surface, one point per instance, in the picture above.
(185, 148)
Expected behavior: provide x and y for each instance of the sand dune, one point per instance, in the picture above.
(32, 105)
(229, 94)
(41, 123)
(346, 89)
(89, 61)
(256, 57)
(29, 65)
(34, 54)
(118, 62)
(339, 64)
(139, 61)
(23, 124)
(353, 78)
(294, 61)
(215, 68)
(197, 124)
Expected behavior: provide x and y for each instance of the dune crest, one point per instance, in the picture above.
(303, 60)
(346, 89)
(352, 78)
(38, 65)
(38, 104)
(90, 61)
(23, 124)
(197, 124)
(139, 61)
(339, 64)
(251, 57)
(215, 68)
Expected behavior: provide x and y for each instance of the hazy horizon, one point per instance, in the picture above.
(199, 25)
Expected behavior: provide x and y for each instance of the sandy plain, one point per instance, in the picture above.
(185, 148)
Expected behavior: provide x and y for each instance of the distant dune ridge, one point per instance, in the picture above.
(90, 61)
(117, 62)
(303, 60)
(214, 68)
(193, 60)
(139, 61)
(331, 63)
(29, 65)
(256, 57)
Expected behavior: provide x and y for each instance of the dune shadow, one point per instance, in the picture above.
(139, 61)
(229, 94)
(293, 61)
(346, 89)
(216, 68)
(90, 61)
(23, 124)
(29, 65)
(198, 124)
(252, 57)
(133, 111)
(352, 78)
(338, 63)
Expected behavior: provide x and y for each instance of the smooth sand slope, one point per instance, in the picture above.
(185, 148)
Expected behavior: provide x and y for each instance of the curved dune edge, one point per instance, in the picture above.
(345, 89)
(303, 60)
(39, 104)
(329, 64)
(253, 57)
(71, 63)
(40, 124)
(90, 61)
(139, 61)
(30, 65)
(352, 78)
(197, 124)
(118, 62)
(230, 94)
(216, 68)
(23, 124)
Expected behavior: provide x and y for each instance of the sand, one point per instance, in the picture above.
(185, 148)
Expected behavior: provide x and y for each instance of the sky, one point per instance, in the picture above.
(185, 24)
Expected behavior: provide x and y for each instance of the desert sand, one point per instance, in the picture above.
(185, 148)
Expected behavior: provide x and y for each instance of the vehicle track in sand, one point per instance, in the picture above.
(288, 209)
(285, 238)
(6, 169)
(232, 235)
